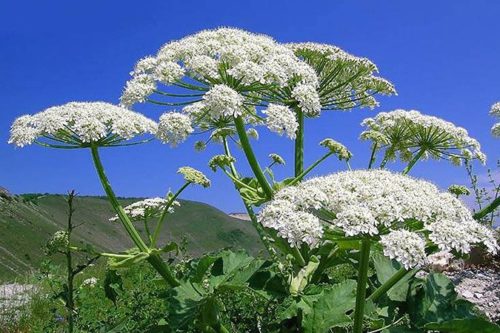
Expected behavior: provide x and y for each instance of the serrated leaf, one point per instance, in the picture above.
(329, 309)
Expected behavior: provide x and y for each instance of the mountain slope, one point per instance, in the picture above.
(26, 222)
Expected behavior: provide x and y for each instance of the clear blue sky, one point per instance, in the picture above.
(443, 57)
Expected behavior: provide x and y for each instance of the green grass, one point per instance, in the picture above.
(27, 222)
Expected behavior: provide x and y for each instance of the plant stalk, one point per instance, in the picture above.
(413, 161)
(154, 260)
(249, 209)
(401, 273)
(156, 232)
(299, 143)
(359, 311)
(252, 160)
(488, 209)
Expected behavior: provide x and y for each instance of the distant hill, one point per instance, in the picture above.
(27, 221)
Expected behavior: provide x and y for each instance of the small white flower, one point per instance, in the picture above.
(413, 130)
(406, 247)
(174, 128)
(366, 202)
(78, 124)
(495, 112)
(194, 176)
(280, 119)
(308, 99)
(223, 101)
(137, 89)
(146, 209)
(90, 282)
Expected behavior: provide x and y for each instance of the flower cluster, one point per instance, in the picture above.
(147, 209)
(222, 55)
(495, 112)
(78, 124)
(368, 203)
(220, 161)
(458, 190)
(337, 148)
(226, 71)
(281, 119)
(174, 128)
(194, 176)
(58, 242)
(277, 159)
(401, 131)
(404, 246)
(90, 282)
(346, 81)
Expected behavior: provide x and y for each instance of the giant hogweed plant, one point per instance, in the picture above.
(227, 83)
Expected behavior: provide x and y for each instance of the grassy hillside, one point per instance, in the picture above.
(25, 225)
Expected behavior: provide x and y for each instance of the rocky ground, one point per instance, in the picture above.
(480, 286)
(13, 296)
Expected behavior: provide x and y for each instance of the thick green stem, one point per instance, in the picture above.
(296, 253)
(249, 209)
(163, 216)
(401, 273)
(299, 143)
(154, 260)
(252, 160)
(488, 209)
(359, 311)
(413, 161)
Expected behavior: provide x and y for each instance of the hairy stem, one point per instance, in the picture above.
(359, 311)
(154, 260)
(252, 160)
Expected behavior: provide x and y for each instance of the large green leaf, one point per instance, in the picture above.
(196, 297)
(385, 269)
(185, 304)
(329, 309)
(233, 268)
(435, 305)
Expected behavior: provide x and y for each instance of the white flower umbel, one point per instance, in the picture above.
(147, 209)
(221, 56)
(281, 119)
(78, 124)
(308, 99)
(409, 132)
(296, 226)
(223, 101)
(495, 112)
(90, 282)
(345, 81)
(368, 203)
(406, 247)
(174, 128)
